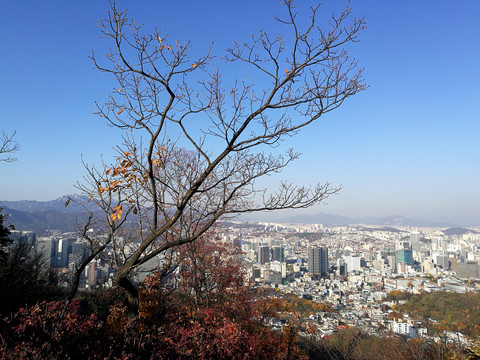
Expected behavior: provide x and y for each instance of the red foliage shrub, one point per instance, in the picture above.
(211, 315)
(46, 331)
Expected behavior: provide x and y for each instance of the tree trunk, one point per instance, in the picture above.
(132, 295)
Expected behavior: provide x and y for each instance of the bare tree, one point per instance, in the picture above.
(8, 146)
(194, 146)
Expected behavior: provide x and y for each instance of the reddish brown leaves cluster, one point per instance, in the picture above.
(121, 177)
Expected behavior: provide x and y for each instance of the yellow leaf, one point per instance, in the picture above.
(113, 216)
(162, 149)
(194, 66)
(118, 90)
(120, 111)
(159, 39)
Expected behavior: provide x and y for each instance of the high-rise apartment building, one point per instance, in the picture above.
(318, 260)
(278, 253)
(353, 262)
(46, 246)
(263, 254)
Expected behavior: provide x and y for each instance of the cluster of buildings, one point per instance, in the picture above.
(61, 253)
(349, 268)
(352, 269)
(343, 251)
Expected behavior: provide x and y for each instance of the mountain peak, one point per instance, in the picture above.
(73, 197)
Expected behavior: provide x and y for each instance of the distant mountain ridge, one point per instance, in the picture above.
(393, 220)
(40, 216)
(36, 206)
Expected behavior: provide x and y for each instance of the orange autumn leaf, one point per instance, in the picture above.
(120, 111)
(194, 66)
(67, 202)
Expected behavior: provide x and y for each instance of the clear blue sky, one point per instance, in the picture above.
(409, 145)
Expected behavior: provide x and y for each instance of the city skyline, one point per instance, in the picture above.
(406, 146)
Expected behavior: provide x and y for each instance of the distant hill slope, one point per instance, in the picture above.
(459, 231)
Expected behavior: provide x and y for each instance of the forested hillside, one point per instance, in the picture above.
(453, 311)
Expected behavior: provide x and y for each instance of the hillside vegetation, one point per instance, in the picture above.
(456, 312)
